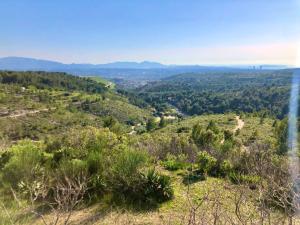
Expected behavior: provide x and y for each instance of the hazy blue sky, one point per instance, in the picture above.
(168, 31)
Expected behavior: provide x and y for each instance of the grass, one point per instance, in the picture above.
(172, 212)
(101, 80)
(252, 124)
(124, 111)
(176, 210)
(264, 130)
(223, 121)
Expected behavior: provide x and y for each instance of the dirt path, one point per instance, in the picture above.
(20, 113)
(132, 130)
(239, 126)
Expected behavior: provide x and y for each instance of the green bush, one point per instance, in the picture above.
(228, 135)
(192, 177)
(227, 147)
(211, 166)
(157, 188)
(251, 180)
(4, 158)
(106, 162)
(174, 163)
(183, 130)
(151, 124)
(125, 179)
(207, 163)
(132, 186)
(205, 138)
(127, 164)
(226, 167)
(72, 168)
(213, 127)
(24, 164)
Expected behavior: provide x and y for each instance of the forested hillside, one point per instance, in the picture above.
(60, 81)
(196, 94)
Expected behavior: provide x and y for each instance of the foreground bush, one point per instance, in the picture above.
(157, 187)
(88, 164)
(133, 186)
(24, 164)
(207, 163)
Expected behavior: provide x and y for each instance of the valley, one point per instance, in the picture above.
(117, 142)
(149, 112)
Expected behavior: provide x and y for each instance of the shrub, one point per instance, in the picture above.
(157, 188)
(192, 177)
(109, 121)
(206, 162)
(225, 168)
(251, 180)
(183, 130)
(213, 127)
(24, 164)
(132, 186)
(72, 168)
(95, 162)
(127, 163)
(125, 179)
(204, 138)
(140, 129)
(4, 158)
(151, 124)
(162, 122)
(227, 146)
(174, 163)
(78, 143)
(228, 135)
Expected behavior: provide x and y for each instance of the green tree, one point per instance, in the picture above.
(228, 135)
(206, 162)
(253, 136)
(213, 127)
(151, 124)
(109, 121)
(281, 131)
(203, 138)
(162, 122)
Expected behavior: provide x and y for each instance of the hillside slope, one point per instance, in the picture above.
(195, 94)
(38, 104)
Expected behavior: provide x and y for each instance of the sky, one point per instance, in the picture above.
(216, 32)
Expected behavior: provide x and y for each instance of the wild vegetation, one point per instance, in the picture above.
(209, 93)
(81, 153)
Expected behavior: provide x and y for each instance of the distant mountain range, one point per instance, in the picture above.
(124, 70)
(21, 63)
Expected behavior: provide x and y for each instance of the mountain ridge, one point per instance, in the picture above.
(20, 63)
(145, 70)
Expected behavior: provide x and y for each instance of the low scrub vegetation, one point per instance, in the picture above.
(65, 149)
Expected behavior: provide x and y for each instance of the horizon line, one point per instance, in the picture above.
(158, 62)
